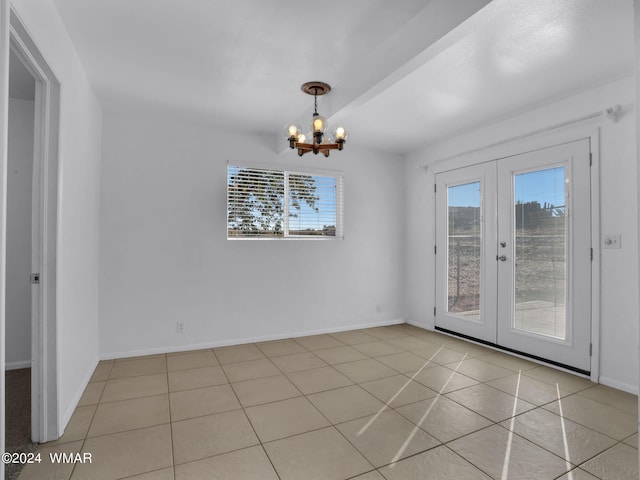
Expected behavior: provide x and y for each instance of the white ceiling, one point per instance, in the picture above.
(404, 72)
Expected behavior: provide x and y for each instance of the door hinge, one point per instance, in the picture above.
(35, 278)
(590, 159)
(591, 349)
(435, 188)
(592, 254)
(434, 311)
(435, 249)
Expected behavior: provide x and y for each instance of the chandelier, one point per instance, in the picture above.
(319, 141)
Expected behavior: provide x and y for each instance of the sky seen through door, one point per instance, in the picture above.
(543, 186)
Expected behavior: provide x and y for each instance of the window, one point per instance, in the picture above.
(267, 203)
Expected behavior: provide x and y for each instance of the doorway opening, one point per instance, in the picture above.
(31, 238)
(19, 254)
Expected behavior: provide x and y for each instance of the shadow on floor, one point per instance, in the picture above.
(18, 417)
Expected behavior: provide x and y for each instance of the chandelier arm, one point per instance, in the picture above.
(322, 146)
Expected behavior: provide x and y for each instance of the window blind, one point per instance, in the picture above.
(268, 203)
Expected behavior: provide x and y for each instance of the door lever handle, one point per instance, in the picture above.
(502, 258)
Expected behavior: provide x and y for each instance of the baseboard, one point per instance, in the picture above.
(625, 387)
(66, 417)
(17, 365)
(240, 341)
(427, 324)
(420, 325)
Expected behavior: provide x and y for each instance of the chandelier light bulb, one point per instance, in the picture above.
(341, 134)
(292, 131)
(293, 134)
(319, 124)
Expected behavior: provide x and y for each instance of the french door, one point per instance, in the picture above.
(513, 255)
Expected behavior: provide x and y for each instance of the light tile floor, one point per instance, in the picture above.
(381, 403)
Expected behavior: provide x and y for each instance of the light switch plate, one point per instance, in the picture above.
(611, 240)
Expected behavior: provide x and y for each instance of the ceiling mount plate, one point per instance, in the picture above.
(315, 88)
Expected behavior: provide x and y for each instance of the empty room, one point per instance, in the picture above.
(281, 240)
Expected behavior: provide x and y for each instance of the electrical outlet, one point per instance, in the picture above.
(180, 327)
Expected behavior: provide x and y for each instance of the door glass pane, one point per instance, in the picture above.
(464, 242)
(540, 252)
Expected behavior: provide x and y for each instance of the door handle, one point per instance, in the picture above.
(502, 258)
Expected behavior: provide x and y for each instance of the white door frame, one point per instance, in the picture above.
(4, 124)
(548, 139)
(44, 374)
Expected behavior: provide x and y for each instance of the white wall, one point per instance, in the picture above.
(78, 207)
(19, 183)
(165, 256)
(618, 214)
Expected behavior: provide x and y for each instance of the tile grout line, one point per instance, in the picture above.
(133, 429)
(331, 424)
(370, 356)
(493, 423)
(574, 466)
(90, 423)
(365, 416)
(84, 440)
(264, 450)
(173, 453)
(513, 416)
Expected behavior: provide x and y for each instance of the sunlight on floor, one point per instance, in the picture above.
(387, 405)
(507, 455)
(564, 435)
(295, 408)
(426, 414)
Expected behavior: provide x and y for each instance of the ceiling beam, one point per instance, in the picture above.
(426, 35)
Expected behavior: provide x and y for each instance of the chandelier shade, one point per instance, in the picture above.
(320, 141)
